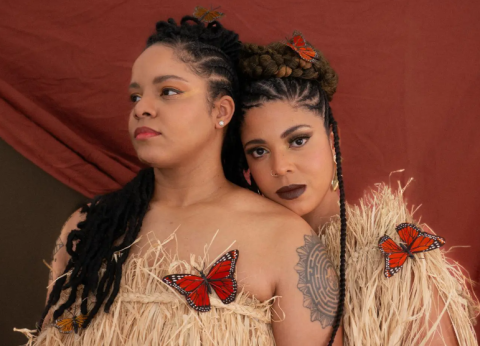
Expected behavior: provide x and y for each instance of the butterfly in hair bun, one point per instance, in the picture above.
(207, 16)
(299, 45)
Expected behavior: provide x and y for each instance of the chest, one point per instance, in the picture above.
(208, 234)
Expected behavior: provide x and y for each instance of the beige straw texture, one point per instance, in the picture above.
(396, 311)
(148, 312)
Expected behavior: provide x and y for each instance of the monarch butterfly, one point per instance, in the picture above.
(299, 45)
(414, 241)
(69, 325)
(197, 288)
(205, 15)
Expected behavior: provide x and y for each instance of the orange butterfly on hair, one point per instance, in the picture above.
(70, 325)
(207, 16)
(299, 45)
(414, 240)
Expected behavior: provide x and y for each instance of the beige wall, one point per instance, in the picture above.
(33, 208)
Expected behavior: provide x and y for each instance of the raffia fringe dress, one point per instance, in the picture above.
(378, 311)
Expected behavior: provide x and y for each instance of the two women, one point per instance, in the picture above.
(123, 250)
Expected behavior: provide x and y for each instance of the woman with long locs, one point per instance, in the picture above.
(180, 255)
(285, 146)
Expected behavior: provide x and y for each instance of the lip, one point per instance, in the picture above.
(291, 191)
(145, 132)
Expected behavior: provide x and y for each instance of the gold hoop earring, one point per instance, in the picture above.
(334, 182)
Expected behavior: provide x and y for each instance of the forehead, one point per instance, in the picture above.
(158, 60)
(273, 118)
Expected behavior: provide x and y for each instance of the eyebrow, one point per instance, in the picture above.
(254, 141)
(292, 129)
(158, 79)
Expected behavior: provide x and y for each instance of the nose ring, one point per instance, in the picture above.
(273, 175)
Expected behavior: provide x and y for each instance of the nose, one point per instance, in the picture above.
(145, 108)
(281, 164)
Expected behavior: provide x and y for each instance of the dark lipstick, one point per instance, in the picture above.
(291, 191)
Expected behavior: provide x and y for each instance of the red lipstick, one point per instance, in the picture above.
(291, 191)
(145, 132)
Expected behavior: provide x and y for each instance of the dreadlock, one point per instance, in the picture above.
(101, 243)
(276, 73)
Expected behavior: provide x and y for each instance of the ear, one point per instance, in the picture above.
(331, 140)
(223, 111)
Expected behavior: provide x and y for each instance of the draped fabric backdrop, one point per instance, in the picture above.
(408, 95)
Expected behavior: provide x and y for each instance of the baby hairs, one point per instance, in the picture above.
(277, 73)
(100, 244)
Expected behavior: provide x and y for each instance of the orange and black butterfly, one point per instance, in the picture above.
(413, 239)
(299, 45)
(207, 16)
(69, 325)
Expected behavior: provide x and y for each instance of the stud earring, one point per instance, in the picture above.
(221, 123)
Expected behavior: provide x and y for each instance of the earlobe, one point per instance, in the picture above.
(225, 107)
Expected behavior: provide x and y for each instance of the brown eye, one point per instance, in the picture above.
(170, 92)
(299, 142)
(135, 98)
(258, 152)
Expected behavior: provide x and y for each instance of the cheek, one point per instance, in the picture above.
(260, 172)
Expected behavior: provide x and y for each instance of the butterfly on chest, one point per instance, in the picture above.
(414, 240)
(197, 289)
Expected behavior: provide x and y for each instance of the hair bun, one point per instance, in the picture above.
(277, 60)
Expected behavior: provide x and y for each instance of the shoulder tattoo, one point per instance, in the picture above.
(318, 281)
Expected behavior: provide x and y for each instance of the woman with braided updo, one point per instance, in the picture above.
(285, 146)
(125, 274)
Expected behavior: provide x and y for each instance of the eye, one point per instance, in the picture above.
(257, 152)
(170, 92)
(299, 142)
(135, 98)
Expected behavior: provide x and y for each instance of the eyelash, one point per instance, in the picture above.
(291, 141)
(162, 93)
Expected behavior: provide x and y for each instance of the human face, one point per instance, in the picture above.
(170, 120)
(292, 144)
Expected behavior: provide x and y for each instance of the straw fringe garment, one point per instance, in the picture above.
(395, 311)
(378, 311)
(148, 312)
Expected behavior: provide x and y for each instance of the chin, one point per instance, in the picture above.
(298, 206)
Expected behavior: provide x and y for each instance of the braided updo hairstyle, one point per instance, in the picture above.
(277, 73)
(113, 221)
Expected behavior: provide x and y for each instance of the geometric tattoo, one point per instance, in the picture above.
(318, 281)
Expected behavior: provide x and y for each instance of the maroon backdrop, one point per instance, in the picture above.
(408, 96)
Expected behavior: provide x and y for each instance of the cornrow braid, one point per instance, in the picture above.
(279, 61)
(100, 245)
(276, 73)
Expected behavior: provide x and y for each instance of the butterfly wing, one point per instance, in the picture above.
(426, 242)
(307, 53)
(407, 232)
(221, 279)
(395, 256)
(64, 325)
(298, 39)
(211, 16)
(199, 12)
(193, 287)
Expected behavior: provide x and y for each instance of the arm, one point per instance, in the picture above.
(308, 286)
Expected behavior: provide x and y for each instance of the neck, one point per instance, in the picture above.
(196, 180)
(324, 211)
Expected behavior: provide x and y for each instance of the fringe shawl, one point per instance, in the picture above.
(148, 312)
(395, 311)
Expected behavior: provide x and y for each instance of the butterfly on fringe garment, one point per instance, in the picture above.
(207, 16)
(197, 288)
(69, 325)
(299, 45)
(413, 241)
